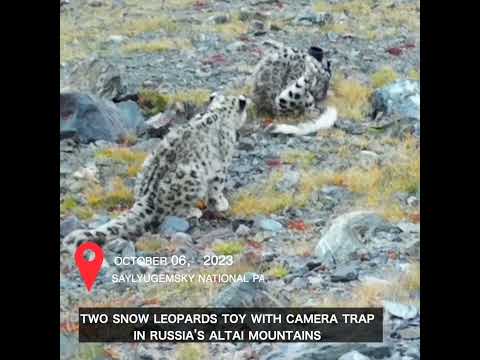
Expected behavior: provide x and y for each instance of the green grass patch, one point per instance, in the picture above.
(229, 248)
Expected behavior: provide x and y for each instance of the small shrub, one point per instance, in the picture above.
(134, 159)
(157, 46)
(301, 158)
(122, 154)
(191, 352)
(277, 272)
(152, 101)
(413, 74)
(229, 248)
(71, 206)
(351, 98)
(151, 245)
(144, 25)
(196, 97)
(89, 352)
(120, 196)
(383, 77)
(231, 30)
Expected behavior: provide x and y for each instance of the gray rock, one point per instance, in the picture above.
(402, 311)
(221, 19)
(242, 230)
(95, 76)
(133, 120)
(409, 227)
(401, 98)
(413, 248)
(128, 250)
(174, 224)
(117, 245)
(410, 333)
(353, 355)
(89, 118)
(347, 234)
(70, 224)
(68, 346)
(246, 294)
(258, 27)
(270, 225)
(95, 3)
(315, 351)
(289, 181)
(181, 239)
(244, 14)
(320, 19)
(345, 274)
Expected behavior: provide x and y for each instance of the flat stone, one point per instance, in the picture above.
(70, 224)
(345, 274)
(348, 234)
(174, 224)
(402, 311)
(270, 225)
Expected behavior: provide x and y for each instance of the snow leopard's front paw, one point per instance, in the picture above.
(220, 203)
(195, 213)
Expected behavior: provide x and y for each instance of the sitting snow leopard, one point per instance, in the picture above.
(189, 164)
(294, 81)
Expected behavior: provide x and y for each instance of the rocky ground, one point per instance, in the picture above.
(330, 219)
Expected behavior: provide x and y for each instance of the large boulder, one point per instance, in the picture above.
(90, 118)
(347, 234)
(95, 76)
(401, 98)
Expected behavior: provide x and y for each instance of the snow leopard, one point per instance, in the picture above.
(189, 165)
(293, 81)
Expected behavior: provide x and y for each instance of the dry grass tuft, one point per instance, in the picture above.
(303, 159)
(376, 186)
(196, 97)
(157, 46)
(277, 272)
(70, 206)
(144, 25)
(119, 196)
(383, 77)
(191, 352)
(134, 159)
(372, 19)
(351, 98)
(401, 288)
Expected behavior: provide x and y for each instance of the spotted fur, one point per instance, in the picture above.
(189, 164)
(289, 80)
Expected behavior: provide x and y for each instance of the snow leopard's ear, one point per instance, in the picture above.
(212, 96)
(316, 52)
(242, 103)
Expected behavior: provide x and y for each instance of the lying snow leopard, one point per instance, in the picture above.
(295, 81)
(189, 164)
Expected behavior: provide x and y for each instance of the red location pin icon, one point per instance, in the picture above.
(89, 269)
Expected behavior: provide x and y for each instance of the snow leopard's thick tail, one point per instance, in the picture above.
(129, 225)
(325, 121)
